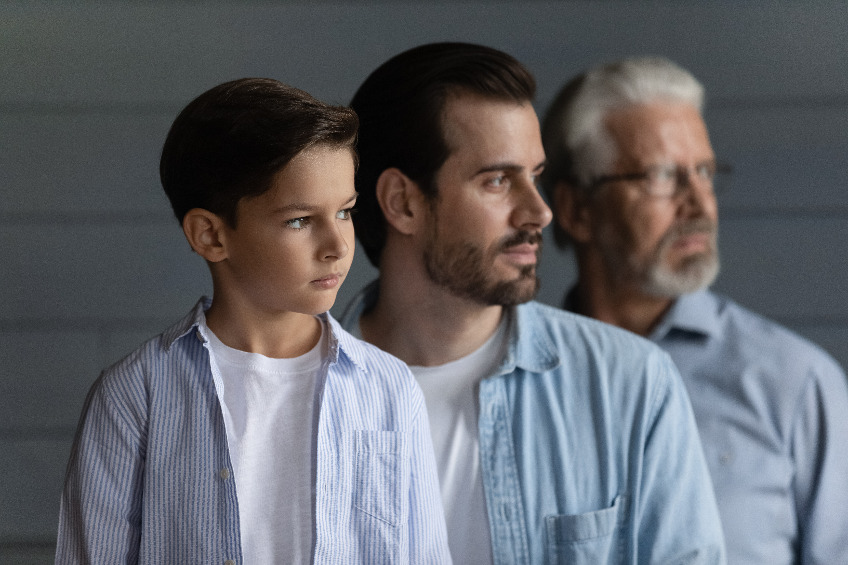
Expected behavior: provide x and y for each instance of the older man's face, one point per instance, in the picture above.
(664, 246)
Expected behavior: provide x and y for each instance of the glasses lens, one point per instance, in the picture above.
(662, 180)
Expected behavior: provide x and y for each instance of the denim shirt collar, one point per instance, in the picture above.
(530, 346)
(340, 342)
(534, 352)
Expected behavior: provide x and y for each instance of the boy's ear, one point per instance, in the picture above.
(400, 199)
(205, 233)
(572, 211)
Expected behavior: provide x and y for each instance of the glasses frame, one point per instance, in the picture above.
(683, 179)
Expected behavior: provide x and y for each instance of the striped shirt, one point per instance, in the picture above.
(150, 478)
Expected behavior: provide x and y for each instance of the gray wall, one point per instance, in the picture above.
(91, 262)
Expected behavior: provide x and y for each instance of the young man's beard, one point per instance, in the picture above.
(654, 276)
(466, 270)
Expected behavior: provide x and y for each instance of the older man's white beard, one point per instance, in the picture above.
(696, 272)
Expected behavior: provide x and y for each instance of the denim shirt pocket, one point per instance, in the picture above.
(591, 538)
(382, 474)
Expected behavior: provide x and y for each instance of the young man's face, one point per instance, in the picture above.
(484, 232)
(293, 245)
(665, 246)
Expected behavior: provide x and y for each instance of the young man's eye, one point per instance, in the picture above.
(297, 223)
(499, 181)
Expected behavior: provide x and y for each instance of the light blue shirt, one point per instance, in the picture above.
(773, 413)
(588, 448)
(150, 476)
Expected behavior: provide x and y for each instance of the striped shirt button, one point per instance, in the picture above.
(229, 562)
(224, 473)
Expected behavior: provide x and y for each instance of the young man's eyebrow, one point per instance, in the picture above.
(507, 166)
(303, 207)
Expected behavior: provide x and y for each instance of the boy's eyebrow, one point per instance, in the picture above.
(302, 207)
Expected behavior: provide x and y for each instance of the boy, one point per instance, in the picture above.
(256, 430)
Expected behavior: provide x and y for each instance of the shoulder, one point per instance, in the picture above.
(579, 335)
(595, 353)
(771, 344)
(177, 350)
(368, 361)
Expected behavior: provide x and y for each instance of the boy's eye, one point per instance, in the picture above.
(297, 223)
(344, 214)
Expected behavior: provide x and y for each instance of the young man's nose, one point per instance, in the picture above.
(531, 211)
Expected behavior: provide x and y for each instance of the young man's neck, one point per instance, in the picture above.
(422, 323)
(280, 336)
(614, 302)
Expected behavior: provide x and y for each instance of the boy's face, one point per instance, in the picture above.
(293, 245)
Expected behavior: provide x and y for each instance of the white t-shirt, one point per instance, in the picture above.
(269, 408)
(451, 393)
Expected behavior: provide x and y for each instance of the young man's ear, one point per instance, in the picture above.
(205, 233)
(572, 212)
(401, 200)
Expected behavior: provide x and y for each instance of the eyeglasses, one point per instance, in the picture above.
(669, 181)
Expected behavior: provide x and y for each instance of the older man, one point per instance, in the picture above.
(631, 174)
(558, 439)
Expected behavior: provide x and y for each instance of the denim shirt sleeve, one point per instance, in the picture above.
(679, 520)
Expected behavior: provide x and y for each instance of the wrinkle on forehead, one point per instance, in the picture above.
(659, 133)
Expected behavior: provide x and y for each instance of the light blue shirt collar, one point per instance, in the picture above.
(535, 355)
(340, 341)
(695, 313)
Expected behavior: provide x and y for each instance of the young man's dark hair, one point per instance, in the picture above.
(230, 141)
(400, 106)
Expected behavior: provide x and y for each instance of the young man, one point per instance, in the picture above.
(256, 430)
(631, 175)
(558, 439)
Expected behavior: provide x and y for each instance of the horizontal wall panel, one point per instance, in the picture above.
(786, 268)
(29, 554)
(45, 376)
(82, 163)
(162, 52)
(98, 273)
(107, 272)
(784, 159)
(33, 472)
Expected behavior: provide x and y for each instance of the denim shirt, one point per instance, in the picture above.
(772, 409)
(150, 476)
(588, 448)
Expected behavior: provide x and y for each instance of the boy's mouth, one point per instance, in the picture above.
(328, 282)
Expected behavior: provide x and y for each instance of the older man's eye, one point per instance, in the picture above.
(663, 174)
(706, 171)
